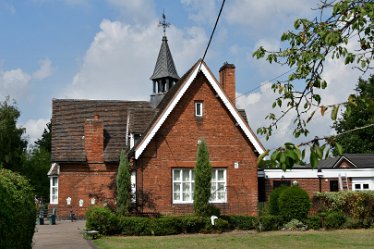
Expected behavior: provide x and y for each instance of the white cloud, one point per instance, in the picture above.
(140, 11)
(34, 129)
(44, 71)
(201, 11)
(15, 82)
(122, 57)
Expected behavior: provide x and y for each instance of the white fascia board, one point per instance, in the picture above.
(179, 95)
(341, 159)
(139, 150)
(232, 109)
(313, 173)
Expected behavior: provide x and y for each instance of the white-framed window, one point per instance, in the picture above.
(361, 186)
(199, 108)
(53, 190)
(218, 187)
(184, 183)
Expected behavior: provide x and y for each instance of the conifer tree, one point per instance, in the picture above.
(123, 181)
(203, 176)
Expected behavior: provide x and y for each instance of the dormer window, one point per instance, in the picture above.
(198, 108)
(134, 138)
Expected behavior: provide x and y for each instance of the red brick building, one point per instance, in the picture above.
(160, 138)
(347, 172)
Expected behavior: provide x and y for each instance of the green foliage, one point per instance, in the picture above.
(45, 142)
(359, 113)
(135, 225)
(354, 204)
(12, 145)
(334, 220)
(295, 225)
(274, 200)
(268, 223)
(314, 222)
(241, 222)
(203, 176)
(341, 31)
(17, 212)
(294, 203)
(192, 223)
(102, 220)
(123, 181)
(351, 223)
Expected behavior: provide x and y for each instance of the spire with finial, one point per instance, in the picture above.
(163, 23)
(165, 74)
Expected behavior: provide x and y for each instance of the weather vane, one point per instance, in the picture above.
(163, 23)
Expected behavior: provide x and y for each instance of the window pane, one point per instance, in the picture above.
(177, 191)
(221, 195)
(357, 186)
(186, 187)
(177, 176)
(186, 196)
(54, 181)
(193, 175)
(214, 175)
(186, 175)
(366, 186)
(221, 186)
(221, 176)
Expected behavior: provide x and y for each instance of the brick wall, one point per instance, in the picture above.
(80, 181)
(175, 146)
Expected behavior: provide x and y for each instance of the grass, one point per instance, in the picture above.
(238, 239)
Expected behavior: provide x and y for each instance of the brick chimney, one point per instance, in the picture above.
(94, 140)
(227, 80)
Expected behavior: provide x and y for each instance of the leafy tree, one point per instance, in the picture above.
(203, 177)
(340, 23)
(12, 145)
(123, 181)
(45, 142)
(359, 115)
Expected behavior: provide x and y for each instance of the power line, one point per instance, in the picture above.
(214, 29)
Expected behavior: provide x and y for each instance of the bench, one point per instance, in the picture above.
(90, 234)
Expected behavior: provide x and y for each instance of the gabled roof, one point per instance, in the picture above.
(356, 160)
(165, 66)
(69, 116)
(175, 94)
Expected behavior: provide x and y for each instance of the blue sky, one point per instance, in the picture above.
(107, 50)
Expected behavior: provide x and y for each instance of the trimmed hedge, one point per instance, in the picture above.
(357, 205)
(334, 220)
(268, 223)
(17, 211)
(109, 223)
(294, 203)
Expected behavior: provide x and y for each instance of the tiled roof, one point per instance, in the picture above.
(68, 118)
(358, 160)
(165, 66)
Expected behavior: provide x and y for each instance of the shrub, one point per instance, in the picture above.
(220, 225)
(352, 223)
(203, 177)
(334, 220)
(241, 222)
(268, 223)
(354, 204)
(135, 225)
(294, 203)
(274, 200)
(102, 220)
(165, 226)
(192, 224)
(314, 222)
(294, 225)
(17, 211)
(123, 185)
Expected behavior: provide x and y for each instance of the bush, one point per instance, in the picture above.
(220, 225)
(17, 211)
(165, 226)
(294, 203)
(268, 223)
(241, 222)
(102, 220)
(294, 225)
(352, 223)
(274, 200)
(314, 222)
(357, 205)
(192, 224)
(135, 225)
(334, 220)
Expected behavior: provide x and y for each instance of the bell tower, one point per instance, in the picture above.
(165, 74)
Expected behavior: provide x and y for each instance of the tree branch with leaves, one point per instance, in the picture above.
(344, 31)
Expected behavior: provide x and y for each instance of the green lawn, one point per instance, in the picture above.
(300, 240)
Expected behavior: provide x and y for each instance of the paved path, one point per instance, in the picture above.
(64, 235)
